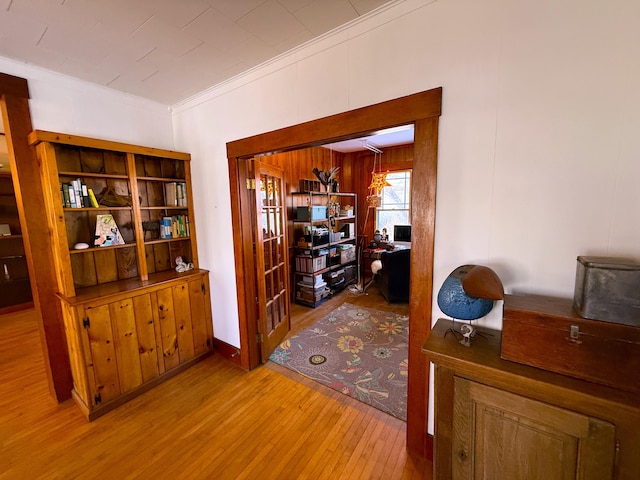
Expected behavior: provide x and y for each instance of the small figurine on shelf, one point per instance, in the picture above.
(182, 266)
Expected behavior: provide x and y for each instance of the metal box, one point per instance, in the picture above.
(317, 213)
(608, 289)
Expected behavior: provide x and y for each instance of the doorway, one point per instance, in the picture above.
(423, 111)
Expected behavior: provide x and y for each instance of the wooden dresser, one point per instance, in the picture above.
(499, 419)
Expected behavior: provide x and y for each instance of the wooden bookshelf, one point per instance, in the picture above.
(124, 302)
(14, 275)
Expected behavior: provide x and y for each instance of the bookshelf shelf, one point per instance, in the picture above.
(165, 207)
(100, 249)
(131, 320)
(94, 209)
(164, 240)
(160, 179)
(93, 175)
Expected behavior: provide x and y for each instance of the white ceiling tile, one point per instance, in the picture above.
(89, 73)
(217, 30)
(320, 17)
(77, 44)
(119, 18)
(253, 52)
(178, 17)
(159, 34)
(31, 54)
(234, 9)
(159, 59)
(20, 28)
(272, 23)
(52, 13)
(207, 58)
(127, 66)
(365, 6)
(295, 5)
(164, 50)
(123, 45)
(294, 41)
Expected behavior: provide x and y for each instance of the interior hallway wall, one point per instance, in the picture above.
(538, 149)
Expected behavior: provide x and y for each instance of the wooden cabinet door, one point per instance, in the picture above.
(201, 314)
(502, 435)
(167, 333)
(185, 328)
(120, 347)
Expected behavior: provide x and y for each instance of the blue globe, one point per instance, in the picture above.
(453, 300)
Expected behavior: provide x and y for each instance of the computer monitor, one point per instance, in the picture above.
(402, 234)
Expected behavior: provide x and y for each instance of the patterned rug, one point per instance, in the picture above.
(361, 352)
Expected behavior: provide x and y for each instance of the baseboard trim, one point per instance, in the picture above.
(428, 443)
(227, 351)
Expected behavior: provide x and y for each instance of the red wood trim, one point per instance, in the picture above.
(429, 445)
(14, 102)
(421, 109)
(14, 86)
(38, 136)
(359, 122)
(227, 351)
(422, 252)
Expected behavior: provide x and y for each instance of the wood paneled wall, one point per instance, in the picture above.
(297, 164)
(354, 175)
(356, 172)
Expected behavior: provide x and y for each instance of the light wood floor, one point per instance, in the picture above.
(213, 421)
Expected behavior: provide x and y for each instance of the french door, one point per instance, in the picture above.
(271, 258)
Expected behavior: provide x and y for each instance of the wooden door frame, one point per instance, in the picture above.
(423, 111)
(14, 101)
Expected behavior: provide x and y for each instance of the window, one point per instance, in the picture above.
(395, 205)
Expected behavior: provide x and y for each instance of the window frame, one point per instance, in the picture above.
(407, 203)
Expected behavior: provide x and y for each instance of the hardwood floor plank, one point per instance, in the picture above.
(214, 420)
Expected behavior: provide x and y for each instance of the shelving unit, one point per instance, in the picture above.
(131, 319)
(324, 235)
(14, 275)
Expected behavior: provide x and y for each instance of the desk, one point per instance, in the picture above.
(393, 278)
(375, 253)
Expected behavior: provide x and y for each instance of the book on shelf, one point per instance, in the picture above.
(107, 232)
(92, 198)
(76, 194)
(181, 194)
(176, 226)
(66, 201)
(85, 195)
(77, 190)
(171, 194)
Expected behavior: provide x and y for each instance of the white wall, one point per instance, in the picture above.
(538, 152)
(60, 103)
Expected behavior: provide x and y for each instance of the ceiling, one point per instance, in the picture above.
(164, 50)
(380, 140)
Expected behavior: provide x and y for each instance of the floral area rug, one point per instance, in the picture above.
(361, 352)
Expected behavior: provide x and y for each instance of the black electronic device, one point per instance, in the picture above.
(402, 233)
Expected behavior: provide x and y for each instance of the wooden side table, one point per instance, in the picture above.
(499, 419)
